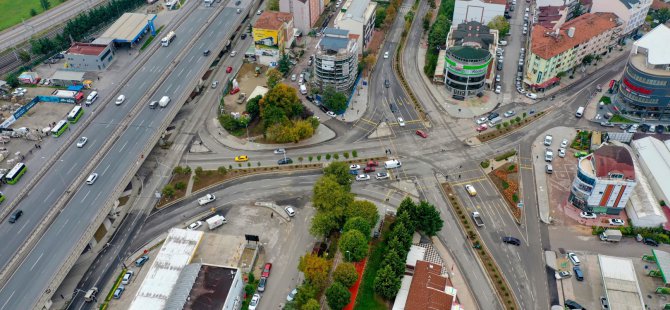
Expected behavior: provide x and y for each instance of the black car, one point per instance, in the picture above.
(323, 108)
(571, 304)
(644, 127)
(393, 108)
(310, 98)
(285, 161)
(387, 83)
(493, 115)
(243, 36)
(511, 240)
(649, 241)
(660, 128)
(206, 53)
(15, 216)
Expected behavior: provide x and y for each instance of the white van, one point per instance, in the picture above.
(91, 178)
(91, 97)
(164, 101)
(580, 112)
(391, 164)
(303, 89)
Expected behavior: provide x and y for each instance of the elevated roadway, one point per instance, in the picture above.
(37, 276)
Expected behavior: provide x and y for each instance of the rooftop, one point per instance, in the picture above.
(614, 159)
(68, 75)
(272, 20)
(663, 261)
(128, 26)
(211, 288)
(653, 45)
(659, 4)
(587, 26)
(430, 290)
(468, 53)
(620, 281)
(652, 150)
(335, 32)
(472, 34)
(354, 9)
(86, 49)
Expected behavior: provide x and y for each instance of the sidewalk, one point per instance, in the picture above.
(455, 274)
(358, 102)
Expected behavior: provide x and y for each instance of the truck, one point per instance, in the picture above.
(206, 199)
(394, 163)
(611, 235)
(168, 38)
(215, 221)
(164, 101)
(477, 218)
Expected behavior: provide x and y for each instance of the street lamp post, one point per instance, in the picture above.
(348, 256)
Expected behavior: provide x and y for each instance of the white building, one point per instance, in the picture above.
(631, 12)
(336, 61)
(605, 180)
(482, 11)
(357, 16)
(620, 282)
(654, 159)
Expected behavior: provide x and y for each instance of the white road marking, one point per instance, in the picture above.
(168, 88)
(82, 200)
(37, 261)
(96, 197)
(8, 299)
(64, 224)
(70, 170)
(22, 227)
(123, 147)
(104, 171)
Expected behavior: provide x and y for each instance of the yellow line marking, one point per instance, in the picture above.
(470, 181)
(368, 121)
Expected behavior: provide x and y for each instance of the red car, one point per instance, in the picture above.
(369, 169)
(266, 270)
(421, 134)
(229, 69)
(482, 127)
(373, 163)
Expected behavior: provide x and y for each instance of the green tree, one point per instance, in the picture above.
(252, 106)
(168, 191)
(222, 170)
(334, 100)
(337, 296)
(393, 259)
(429, 220)
(33, 12)
(13, 79)
(387, 283)
(284, 64)
(330, 196)
(24, 56)
(662, 15)
(45, 4)
(272, 115)
(353, 245)
(501, 24)
(315, 269)
(403, 235)
(323, 223)
(284, 97)
(180, 186)
(306, 292)
(426, 20)
(199, 171)
(358, 223)
(273, 78)
(364, 209)
(311, 304)
(273, 5)
(346, 274)
(380, 16)
(340, 172)
(588, 59)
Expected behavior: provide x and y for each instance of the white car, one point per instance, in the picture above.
(126, 278)
(498, 78)
(564, 143)
(509, 113)
(521, 90)
(617, 222)
(354, 167)
(120, 99)
(331, 113)
(561, 153)
(292, 294)
(280, 151)
(82, 141)
(548, 139)
(548, 155)
(498, 89)
(362, 177)
(401, 122)
(293, 77)
(587, 215)
(259, 12)
(194, 225)
(386, 55)
(289, 211)
(531, 96)
(482, 120)
(253, 304)
(382, 175)
(215, 84)
(206, 199)
(574, 259)
(233, 53)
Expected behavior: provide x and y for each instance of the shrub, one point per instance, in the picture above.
(515, 197)
(318, 157)
(310, 158)
(222, 170)
(485, 164)
(180, 186)
(199, 171)
(505, 185)
(511, 168)
(258, 163)
(300, 159)
(336, 156)
(505, 155)
(498, 126)
(354, 153)
(327, 156)
(505, 124)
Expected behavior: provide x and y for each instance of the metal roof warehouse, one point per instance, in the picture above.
(129, 28)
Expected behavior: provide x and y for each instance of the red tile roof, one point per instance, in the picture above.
(586, 27)
(272, 20)
(86, 49)
(427, 290)
(614, 159)
(658, 4)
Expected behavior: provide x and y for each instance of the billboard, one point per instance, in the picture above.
(267, 37)
(466, 70)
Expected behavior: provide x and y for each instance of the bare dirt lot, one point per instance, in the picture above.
(247, 81)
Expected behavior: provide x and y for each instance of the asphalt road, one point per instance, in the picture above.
(74, 219)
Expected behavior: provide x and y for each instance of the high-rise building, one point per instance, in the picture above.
(631, 12)
(357, 16)
(336, 59)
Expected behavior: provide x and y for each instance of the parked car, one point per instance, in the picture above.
(509, 113)
(362, 177)
(289, 211)
(549, 169)
(126, 277)
(354, 167)
(587, 215)
(369, 169)
(194, 225)
(604, 303)
(579, 275)
(617, 222)
(142, 260)
(482, 127)
(382, 175)
(548, 155)
(421, 134)
(548, 139)
(564, 143)
(253, 304)
(649, 241)
(561, 153)
(493, 115)
(562, 275)
(574, 259)
(292, 294)
(230, 69)
(119, 291)
(373, 163)
(482, 120)
(386, 55)
(571, 304)
(331, 114)
(401, 122)
(215, 84)
(261, 284)
(266, 270)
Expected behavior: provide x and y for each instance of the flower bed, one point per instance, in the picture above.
(512, 124)
(506, 179)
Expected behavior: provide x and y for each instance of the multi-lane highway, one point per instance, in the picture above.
(26, 286)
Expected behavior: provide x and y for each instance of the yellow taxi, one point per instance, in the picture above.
(241, 158)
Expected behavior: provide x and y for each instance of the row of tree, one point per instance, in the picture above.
(437, 35)
(411, 217)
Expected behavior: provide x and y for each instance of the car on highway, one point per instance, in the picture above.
(382, 176)
(126, 277)
(241, 158)
(354, 167)
(262, 283)
(509, 113)
(253, 304)
(471, 190)
(292, 294)
(119, 291)
(561, 153)
(120, 99)
(331, 114)
(82, 141)
(548, 139)
(617, 222)
(289, 211)
(15, 216)
(215, 84)
(266, 270)
(194, 225)
(421, 134)
(386, 55)
(153, 104)
(285, 161)
(362, 177)
(206, 53)
(387, 84)
(574, 259)
(511, 240)
(587, 215)
(548, 155)
(564, 143)
(482, 127)
(230, 69)
(280, 151)
(401, 122)
(141, 261)
(91, 178)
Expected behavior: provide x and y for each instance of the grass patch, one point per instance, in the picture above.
(606, 100)
(505, 156)
(151, 38)
(620, 119)
(582, 141)
(367, 299)
(11, 12)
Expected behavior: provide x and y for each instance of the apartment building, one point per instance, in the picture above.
(358, 17)
(631, 12)
(305, 12)
(336, 60)
(272, 33)
(560, 50)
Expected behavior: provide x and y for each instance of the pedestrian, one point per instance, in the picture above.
(98, 78)
(61, 296)
(459, 176)
(272, 215)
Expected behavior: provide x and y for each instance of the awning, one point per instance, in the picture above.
(546, 83)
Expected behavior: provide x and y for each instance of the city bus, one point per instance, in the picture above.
(60, 128)
(75, 114)
(16, 173)
(168, 38)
